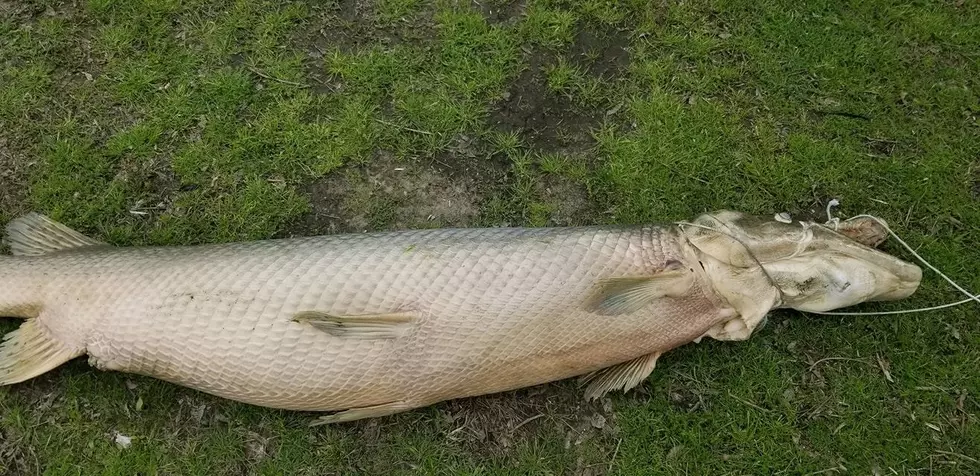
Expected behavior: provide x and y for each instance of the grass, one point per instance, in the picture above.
(180, 122)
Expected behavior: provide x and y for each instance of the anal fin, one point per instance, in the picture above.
(622, 376)
(362, 326)
(29, 351)
(629, 294)
(361, 413)
(35, 234)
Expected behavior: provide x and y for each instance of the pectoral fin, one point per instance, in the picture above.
(619, 377)
(363, 326)
(625, 295)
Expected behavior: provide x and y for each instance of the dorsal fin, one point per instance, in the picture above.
(35, 234)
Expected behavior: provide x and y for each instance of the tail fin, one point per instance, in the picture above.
(30, 351)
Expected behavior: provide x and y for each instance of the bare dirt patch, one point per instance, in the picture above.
(572, 206)
(492, 425)
(880, 147)
(497, 11)
(152, 184)
(386, 193)
(353, 25)
(14, 172)
(25, 11)
(602, 52)
(548, 121)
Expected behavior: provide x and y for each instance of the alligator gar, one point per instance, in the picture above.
(367, 325)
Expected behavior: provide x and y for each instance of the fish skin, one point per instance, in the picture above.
(374, 324)
(496, 309)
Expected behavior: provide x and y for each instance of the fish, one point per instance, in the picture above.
(367, 325)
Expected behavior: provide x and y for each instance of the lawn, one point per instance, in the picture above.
(181, 122)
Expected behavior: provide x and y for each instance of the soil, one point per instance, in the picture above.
(497, 11)
(490, 425)
(572, 204)
(547, 121)
(601, 51)
(814, 209)
(13, 174)
(391, 194)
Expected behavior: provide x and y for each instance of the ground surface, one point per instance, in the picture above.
(178, 122)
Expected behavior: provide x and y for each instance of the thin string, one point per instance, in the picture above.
(836, 222)
(970, 296)
(885, 313)
(830, 217)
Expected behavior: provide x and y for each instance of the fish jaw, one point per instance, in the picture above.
(813, 267)
(745, 296)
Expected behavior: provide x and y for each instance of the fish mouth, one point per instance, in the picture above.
(905, 277)
(905, 289)
(814, 266)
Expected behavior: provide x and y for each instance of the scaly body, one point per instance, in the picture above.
(463, 311)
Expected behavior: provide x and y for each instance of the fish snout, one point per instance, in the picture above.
(815, 268)
(907, 279)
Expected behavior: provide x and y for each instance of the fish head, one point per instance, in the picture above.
(815, 267)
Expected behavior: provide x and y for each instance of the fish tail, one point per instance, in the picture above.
(33, 349)
(30, 351)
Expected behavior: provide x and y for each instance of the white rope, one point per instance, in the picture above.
(907, 311)
(970, 296)
(836, 222)
(830, 217)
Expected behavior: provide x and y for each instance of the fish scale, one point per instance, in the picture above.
(370, 323)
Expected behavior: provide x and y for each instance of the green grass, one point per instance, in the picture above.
(180, 122)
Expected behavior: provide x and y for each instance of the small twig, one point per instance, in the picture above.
(278, 80)
(612, 462)
(440, 162)
(827, 359)
(934, 388)
(950, 453)
(757, 407)
(842, 114)
(526, 421)
(884, 368)
(452, 433)
(319, 50)
(835, 469)
(403, 127)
